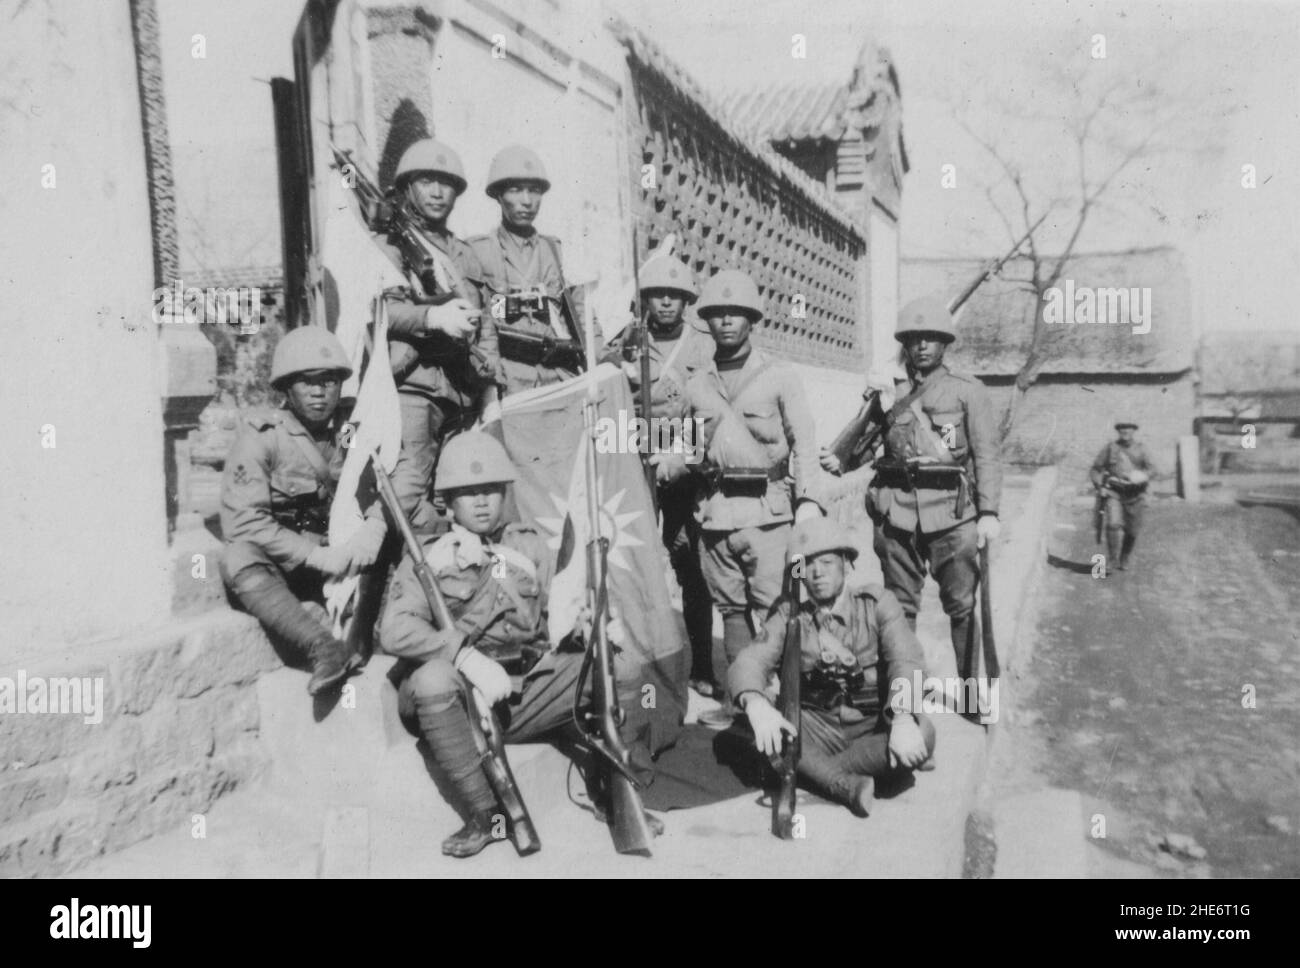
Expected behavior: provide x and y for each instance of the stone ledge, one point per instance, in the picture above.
(178, 728)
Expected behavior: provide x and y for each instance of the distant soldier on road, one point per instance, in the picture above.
(934, 498)
(859, 660)
(537, 319)
(280, 478)
(1120, 474)
(677, 351)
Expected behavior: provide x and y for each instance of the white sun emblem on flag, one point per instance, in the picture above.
(613, 525)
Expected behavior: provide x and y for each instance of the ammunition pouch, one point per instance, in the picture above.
(517, 660)
(911, 475)
(828, 687)
(526, 304)
(309, 514)
(541, 350)
(744, 481)
(1123, 489)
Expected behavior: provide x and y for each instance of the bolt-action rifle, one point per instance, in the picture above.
(855, 445)
(438, 276)
(600, 725)
(484, 727)
(788, 704)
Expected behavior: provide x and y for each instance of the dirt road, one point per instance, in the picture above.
(1169, 695)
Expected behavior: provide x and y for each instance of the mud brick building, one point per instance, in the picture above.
(1095, 373)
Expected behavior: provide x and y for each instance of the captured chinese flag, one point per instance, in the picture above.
(546, 438)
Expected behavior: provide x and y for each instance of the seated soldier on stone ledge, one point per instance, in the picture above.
(859, 660)
(280, 478)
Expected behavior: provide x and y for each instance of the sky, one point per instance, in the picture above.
(954, 58)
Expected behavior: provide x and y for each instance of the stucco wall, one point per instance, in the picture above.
(83, 529)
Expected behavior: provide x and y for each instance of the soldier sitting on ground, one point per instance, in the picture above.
(495, 577)
(279, 481)
(859, 661)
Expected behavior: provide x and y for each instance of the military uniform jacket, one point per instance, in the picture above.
(672, 364)
(957, 408)
(773, 408)
(406, 323)
(512, 263)
(1116, 460)
(496, 591)
(867, 622)
(274, 471)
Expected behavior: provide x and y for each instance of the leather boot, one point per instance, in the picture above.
(964, 645)
(1129, 541)
(1114, 543)
(331, 661)
(471, 838)
(444, 723)
(267, 597)
(829, 778)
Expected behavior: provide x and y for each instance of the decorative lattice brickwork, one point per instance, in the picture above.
(733, 205)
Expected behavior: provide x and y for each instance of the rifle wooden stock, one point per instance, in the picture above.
(788, 705)
(992, 667)
(484, 728)
(856, 442)
(627, 820)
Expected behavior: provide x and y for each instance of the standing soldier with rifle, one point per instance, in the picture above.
(443, 344)
(1120, 474)
(538, 323)
(859, 658)
(760, 470)
(934, 497)
(280, 478)
(676, 350)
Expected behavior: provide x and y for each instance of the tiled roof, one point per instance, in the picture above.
(790, 112)
(653, 58)
(267, 277)
(995, 327)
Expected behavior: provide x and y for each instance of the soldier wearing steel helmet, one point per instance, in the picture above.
(441, 383)
(760, 468)
(1121, 474)
(279, 481)
(537, 319)
(677, 350)
(495, 577)
(934, 497)
(859, 660)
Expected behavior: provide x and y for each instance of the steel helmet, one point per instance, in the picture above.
(434, 157)
(929, 314)
(731, 287)
(815, 536)
(305, 349)
(667, 273)
(1121, 424)
(516, 163)
(474, 457)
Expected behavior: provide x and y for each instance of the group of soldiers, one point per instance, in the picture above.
(733, 525)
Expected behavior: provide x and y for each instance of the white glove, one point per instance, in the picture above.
(767, 724)
(457, 318)
(334, 562)
(485, 675)
(1138, 477)
(364, 545)
(987, 529)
